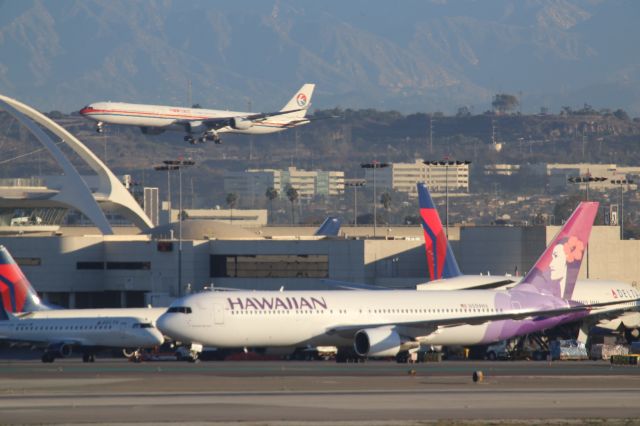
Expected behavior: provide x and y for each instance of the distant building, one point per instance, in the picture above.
(403, 177)
(501, 169)
(252, 184)
(560, 173)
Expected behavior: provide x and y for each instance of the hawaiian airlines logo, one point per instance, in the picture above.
(270, 303)
(301, 99)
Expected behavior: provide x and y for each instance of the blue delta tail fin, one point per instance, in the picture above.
(556, 271)
(330, 227)
(440, 258)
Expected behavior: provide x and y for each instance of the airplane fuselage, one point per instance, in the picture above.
(123, 332)
(175, 118)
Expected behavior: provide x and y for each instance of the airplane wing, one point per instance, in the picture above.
(429, 326)
(221, 122)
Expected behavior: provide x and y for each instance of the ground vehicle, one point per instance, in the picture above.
(568, 350)
(498, 350)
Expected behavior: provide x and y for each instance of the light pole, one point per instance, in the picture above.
(586, 179)
(178, 165)
(355, 183)
(374, 165)
(622, 182)
(446, 163)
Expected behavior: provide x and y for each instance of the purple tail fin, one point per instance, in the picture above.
(440, 259)
(15, 290)
(556, 271)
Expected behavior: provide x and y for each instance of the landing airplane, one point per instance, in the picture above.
(206, 124)
(90, 334)
(393, 322)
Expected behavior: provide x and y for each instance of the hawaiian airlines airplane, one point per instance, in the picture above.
(393, 322)
(205, 124)
(61, 335)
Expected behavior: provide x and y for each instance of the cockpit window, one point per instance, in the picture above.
(142, 325)
(180, 309)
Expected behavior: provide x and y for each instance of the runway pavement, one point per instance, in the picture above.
(270, 392)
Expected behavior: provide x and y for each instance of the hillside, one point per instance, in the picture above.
(423, 56)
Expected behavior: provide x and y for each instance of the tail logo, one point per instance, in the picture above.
(563, 256)
(301, 99)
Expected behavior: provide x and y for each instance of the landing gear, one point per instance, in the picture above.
(88, 358)
(402, 357)
(194, 352)
(99, 127)
(48, 357)
(210, 135)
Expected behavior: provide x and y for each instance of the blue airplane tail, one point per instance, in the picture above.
(440, 258)
(330, 227)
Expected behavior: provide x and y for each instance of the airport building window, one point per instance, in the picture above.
(90, 265)
(145, 266)
(269, 266)
(28, 261)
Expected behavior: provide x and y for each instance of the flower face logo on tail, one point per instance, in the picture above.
(573, 249)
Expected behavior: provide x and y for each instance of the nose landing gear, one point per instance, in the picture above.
(100, 127)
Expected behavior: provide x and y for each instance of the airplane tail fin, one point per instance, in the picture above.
(15, 290)
(330, 227)
(556, 271)
(299, 103)
(440, 258)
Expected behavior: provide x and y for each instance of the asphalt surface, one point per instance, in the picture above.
(272, 392)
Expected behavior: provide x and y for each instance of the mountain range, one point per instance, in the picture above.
(409, 55)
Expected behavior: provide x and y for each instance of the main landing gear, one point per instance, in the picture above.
(210, 135)
(88, 358)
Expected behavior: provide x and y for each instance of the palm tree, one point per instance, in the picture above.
(271, 194)
(292, 195)
(232, 199)
(385, 200)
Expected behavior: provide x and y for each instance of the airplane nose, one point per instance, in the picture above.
(156, 338)
(85, 110)
(167, 324)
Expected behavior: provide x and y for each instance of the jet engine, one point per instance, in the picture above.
(381, 341)
(151, 130)
(240, 123)
(60, 350)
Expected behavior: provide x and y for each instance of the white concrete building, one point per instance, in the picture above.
(252, 184)
(403, 177)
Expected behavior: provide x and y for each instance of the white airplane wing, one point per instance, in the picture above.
(428, 326)
(221, 122)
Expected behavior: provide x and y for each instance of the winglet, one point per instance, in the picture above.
(556, 271)
(440, 258)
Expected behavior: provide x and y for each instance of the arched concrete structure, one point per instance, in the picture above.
(75, 193)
